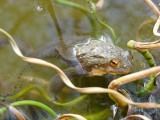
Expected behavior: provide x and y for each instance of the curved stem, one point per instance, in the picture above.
(156, 27)
(92, 16)
(45, 95)
(151, 62)
(140, 27)
(84, 10)
(75, 101)
(153, 7)
(22, 92)
(30, 102)
(101, 22)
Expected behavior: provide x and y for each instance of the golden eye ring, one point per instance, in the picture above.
(114, 62)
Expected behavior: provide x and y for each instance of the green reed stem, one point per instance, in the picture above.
(45, 95)
(53, 16)
(101, 22)
(82, 9)
(147, 55)
(111, 29)
(22, 92)
(92, 16)
(75, 101)
(30, 102)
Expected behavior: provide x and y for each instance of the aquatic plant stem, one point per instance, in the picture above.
(157, 13)
(30, 102)
(84, 10)
(145, 53)
(151, 63)
(156, 27)
(141, 25)
(53, 16)
(22, 92)
(92, 16)
(45, 95)
(101, 22)
(111, 29)
(71, 103)
(153, 7)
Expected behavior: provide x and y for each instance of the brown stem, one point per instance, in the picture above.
(156, 27)
(132, 77)
(146, 45)
(153, 7)
(141, 25)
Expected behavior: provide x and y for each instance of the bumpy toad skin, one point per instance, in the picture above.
(99, 57)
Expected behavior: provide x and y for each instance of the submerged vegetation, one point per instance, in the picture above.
(123, 100)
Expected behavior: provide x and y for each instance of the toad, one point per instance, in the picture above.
(89, 58)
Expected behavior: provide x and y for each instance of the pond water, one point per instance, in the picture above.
(32, 25)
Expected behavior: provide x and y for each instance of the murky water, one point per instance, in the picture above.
(30, 22)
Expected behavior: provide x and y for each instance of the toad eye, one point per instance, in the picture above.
(114, 62)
